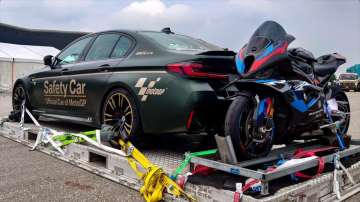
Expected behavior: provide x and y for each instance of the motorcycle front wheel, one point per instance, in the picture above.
(239, 125)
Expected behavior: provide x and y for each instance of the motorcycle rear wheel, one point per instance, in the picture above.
(343, 106)
(238, 127)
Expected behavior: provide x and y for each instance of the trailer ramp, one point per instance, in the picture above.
(117, 169)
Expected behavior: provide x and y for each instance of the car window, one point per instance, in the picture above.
(102, 47)
(121, 47)
(73, 53)
(178, 42)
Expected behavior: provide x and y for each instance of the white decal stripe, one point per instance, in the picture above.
(151, 84)
(140, 83)
(142, 90)
(100, 73)
(143, 99)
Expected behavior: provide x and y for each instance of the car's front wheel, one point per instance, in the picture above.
(119, 106)
(18, 96)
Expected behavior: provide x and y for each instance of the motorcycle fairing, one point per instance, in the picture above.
(293, 91)
(268, 43)
(269, 52)
(300, 104)
(264, 109)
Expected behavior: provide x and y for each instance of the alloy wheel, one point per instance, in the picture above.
(118, 107)
(18, 97)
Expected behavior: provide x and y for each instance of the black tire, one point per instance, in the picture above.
(123, 100)
(341, 98)
(236, 120)
(18, 95)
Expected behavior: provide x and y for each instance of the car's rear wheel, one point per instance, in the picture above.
(120, 105)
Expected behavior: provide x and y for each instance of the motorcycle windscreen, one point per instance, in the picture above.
(267, 43)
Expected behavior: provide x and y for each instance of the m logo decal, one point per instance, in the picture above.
(150, 89)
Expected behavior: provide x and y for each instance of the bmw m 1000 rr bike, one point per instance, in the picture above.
(282, 93)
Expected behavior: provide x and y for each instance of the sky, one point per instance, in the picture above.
(321, 26)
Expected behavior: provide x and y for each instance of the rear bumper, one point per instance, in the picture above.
(208, 112)
(188, 106)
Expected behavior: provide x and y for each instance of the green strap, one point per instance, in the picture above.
(188, 157)
(68, 138)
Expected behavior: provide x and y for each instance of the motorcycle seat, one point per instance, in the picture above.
(302, 53)
(328, 64)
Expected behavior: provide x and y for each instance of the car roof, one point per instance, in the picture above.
(133, 32)
(128, 31)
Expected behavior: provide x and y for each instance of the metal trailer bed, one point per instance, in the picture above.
(116, 168)
(242, 168)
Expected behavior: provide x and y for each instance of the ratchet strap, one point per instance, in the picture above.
(155, 179)
(69, 138)
(309, 153)
(188, 157)
(298, 154)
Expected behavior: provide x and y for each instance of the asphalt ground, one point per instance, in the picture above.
(34, 176)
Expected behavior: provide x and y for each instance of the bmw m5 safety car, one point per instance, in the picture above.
(157, 81)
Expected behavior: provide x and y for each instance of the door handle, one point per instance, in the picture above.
(104, 68)
(63, 71)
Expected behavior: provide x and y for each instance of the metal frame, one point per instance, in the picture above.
(265, 177)
(117, 170)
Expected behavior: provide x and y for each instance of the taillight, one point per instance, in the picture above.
(189, 122)
(195, 70)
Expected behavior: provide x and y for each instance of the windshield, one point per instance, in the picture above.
(268, 33)
(179, 42)
(267, 47)
(348, 77)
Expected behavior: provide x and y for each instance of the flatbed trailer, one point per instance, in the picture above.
(117, 169)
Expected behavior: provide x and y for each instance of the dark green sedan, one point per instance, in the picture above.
(158, 81)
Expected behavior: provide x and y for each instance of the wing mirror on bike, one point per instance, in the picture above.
(48, 61)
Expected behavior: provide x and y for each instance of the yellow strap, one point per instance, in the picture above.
(155, 179)
(133, 165)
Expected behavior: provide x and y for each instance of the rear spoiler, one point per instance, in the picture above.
(218, 53)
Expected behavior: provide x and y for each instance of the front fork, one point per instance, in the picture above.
(263, 115)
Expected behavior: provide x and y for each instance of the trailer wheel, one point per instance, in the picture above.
(118, 104)
(238, 125)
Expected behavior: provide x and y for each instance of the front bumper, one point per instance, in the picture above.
(348, 86)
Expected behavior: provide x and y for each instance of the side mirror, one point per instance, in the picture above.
(48, 61)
